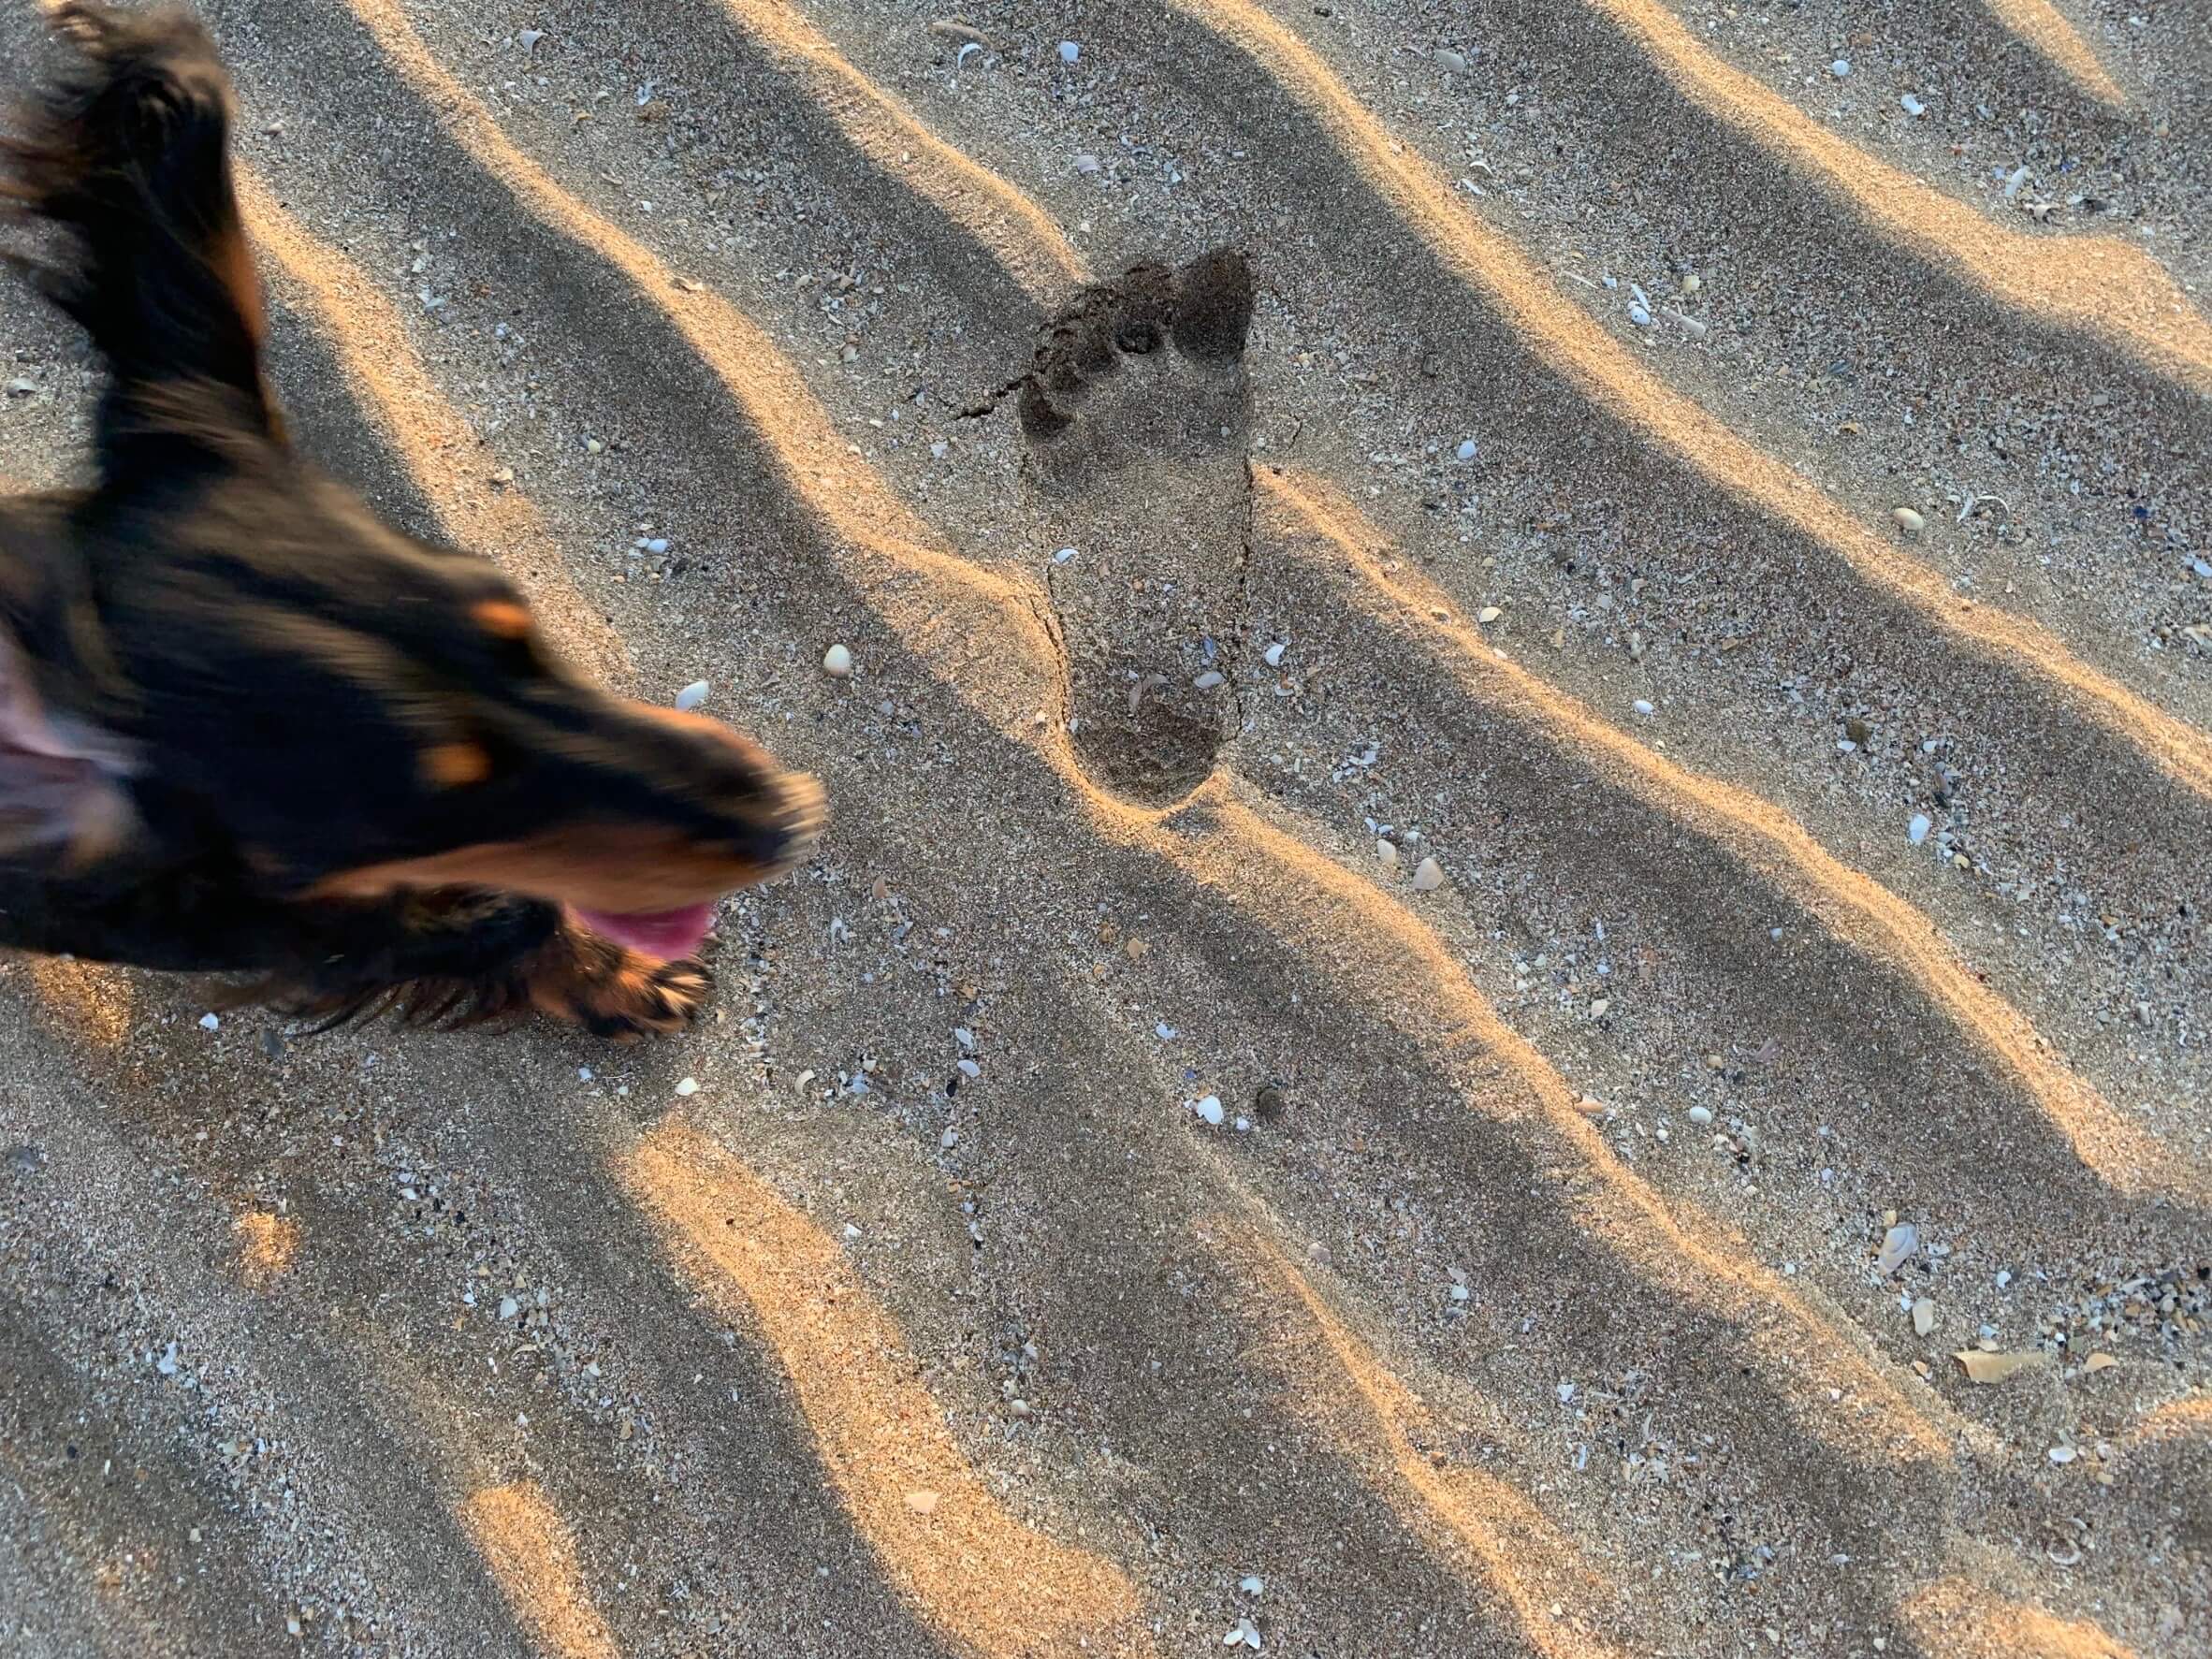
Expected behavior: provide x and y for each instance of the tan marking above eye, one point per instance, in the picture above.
(503, 618)
(451, 765)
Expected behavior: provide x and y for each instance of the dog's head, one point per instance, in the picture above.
(266, 670)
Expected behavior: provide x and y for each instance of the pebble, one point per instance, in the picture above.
(1489, 613)
(210, 1022)
(1599, 1008)
(1466, 449)
(1064, 555)
(1909, 521)
(1917, 831)
(1252, 1585)
(1912, 105)
(1208, 681)
(1387, 854)
(923, 1501)
(1841, 68)
(2062, 1454)
(1449, 59)
(2199, 568)
(837, 661)
(1070, 52)
(1644, 707)
(2098, 1363)
(1692, 283)
(1086, 163)
(1898, 1244)
(1428, 876)
(1922, 1316)
(1701, 1115)
(509, 1308)
(693, 694)
(969, 1068)
(1639, 316)
(689, 1086)
(1209, 1108)
(22, 389)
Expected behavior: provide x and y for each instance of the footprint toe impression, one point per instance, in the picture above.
(1135, 417)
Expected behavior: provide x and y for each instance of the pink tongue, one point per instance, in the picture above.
(665, 933)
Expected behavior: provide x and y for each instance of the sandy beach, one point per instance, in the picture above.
(1632, 1077)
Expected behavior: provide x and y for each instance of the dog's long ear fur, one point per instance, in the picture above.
(126, 155)
(61, 801)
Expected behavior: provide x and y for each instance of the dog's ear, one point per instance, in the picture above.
(63, 806)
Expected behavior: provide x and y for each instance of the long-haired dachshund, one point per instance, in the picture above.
(246, 728)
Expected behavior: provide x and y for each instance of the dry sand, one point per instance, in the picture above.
(1526, 1300)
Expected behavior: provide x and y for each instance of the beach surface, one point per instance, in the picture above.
(1610, 1059)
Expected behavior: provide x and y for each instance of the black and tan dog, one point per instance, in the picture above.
(246, 728)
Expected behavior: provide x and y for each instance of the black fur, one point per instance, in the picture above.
(244, 726)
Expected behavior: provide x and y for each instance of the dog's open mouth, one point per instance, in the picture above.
(665, 933)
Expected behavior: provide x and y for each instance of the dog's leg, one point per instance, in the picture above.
(128, 154)
(460, 958)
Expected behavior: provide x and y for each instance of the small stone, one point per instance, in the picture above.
(923, 1501)
(2098, 1363)
(1644, 707)
(837, 661)
(1428, 876)
(1466, 449)
(2062, 1454)
(693, 694)
(22, 389)
(1897, 1245)
(1448, 59)
(1070, 52)
(1209, 1108)
(1086, 163)
(1917, 831)
(1252, 1585)
(1489, 613)
(689, 1086)
(1208, 681)
(1909, 521)
(1063, 555)
(210, 1022)
(1639, 316)
(1912, 105)
(969, 1068)
(1692, 283)
(1841, 68)
(1386, 855)
(1922, 1316)
(1600, 1007)
(1700, 1115)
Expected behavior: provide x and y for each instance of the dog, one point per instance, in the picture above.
(246, 728)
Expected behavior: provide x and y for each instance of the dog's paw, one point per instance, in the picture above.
(615, 992)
